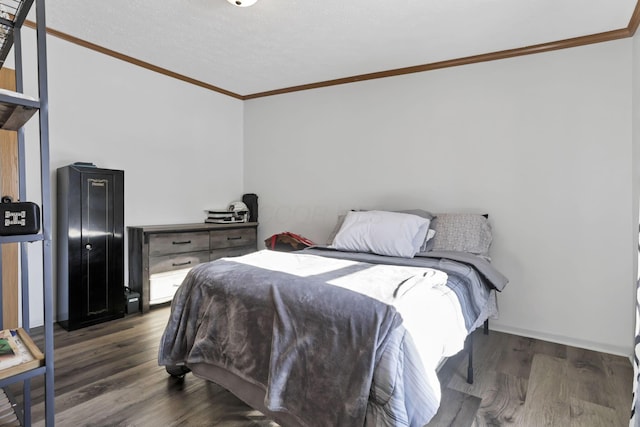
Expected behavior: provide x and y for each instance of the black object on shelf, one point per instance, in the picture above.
(90, 245)
(18, 218)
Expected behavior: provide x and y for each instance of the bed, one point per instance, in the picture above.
(347, 334)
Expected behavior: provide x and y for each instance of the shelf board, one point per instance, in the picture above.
(28, 350)
(22, 238)
(16, 109)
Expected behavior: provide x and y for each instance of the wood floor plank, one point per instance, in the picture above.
(516, 358)
(111, 406)
(550, 349)
(517, 354)
(503, 401)
(547, 402)
(590, 414)
(586, 377)
(619, 374)
(107, 375)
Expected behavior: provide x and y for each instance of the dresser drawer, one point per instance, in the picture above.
(175, 243)
(232, 238)
(157, 250)
(163, 286)
(177, 261)
(229, 252)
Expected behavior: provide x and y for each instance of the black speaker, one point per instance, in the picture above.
(251, 200)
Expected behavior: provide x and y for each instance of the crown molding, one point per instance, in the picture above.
(132, 60)
(622, 33)
(504, 54)
(634, 21)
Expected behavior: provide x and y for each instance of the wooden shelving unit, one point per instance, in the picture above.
(16, 109)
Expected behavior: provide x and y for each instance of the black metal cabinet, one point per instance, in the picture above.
(90, 245)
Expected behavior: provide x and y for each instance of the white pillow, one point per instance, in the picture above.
(430, 233)
(382, 233)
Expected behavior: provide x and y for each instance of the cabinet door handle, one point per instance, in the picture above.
(184, 242)
(178, 264)
(234, 238)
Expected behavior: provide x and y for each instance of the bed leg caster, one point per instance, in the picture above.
(177, 371)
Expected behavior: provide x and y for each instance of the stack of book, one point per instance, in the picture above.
(8, 415)
(223, 217)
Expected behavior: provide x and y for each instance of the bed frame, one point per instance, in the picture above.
(469, 346)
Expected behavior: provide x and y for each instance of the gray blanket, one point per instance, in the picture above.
(233, 315)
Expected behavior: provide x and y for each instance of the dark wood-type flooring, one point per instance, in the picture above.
(107, 375)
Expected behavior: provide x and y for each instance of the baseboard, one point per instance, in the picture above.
(559, 339)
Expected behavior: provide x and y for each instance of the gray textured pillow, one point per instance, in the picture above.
(462, 232)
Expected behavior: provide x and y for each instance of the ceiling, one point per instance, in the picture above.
(279, 44)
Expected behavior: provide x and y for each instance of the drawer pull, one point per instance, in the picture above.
(234, 238)
(184, 242)
(178, 264)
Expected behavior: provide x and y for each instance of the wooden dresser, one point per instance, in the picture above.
(161, 255)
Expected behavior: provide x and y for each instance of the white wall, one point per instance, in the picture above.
(179, 145)
(542, 143)
(635, 160)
